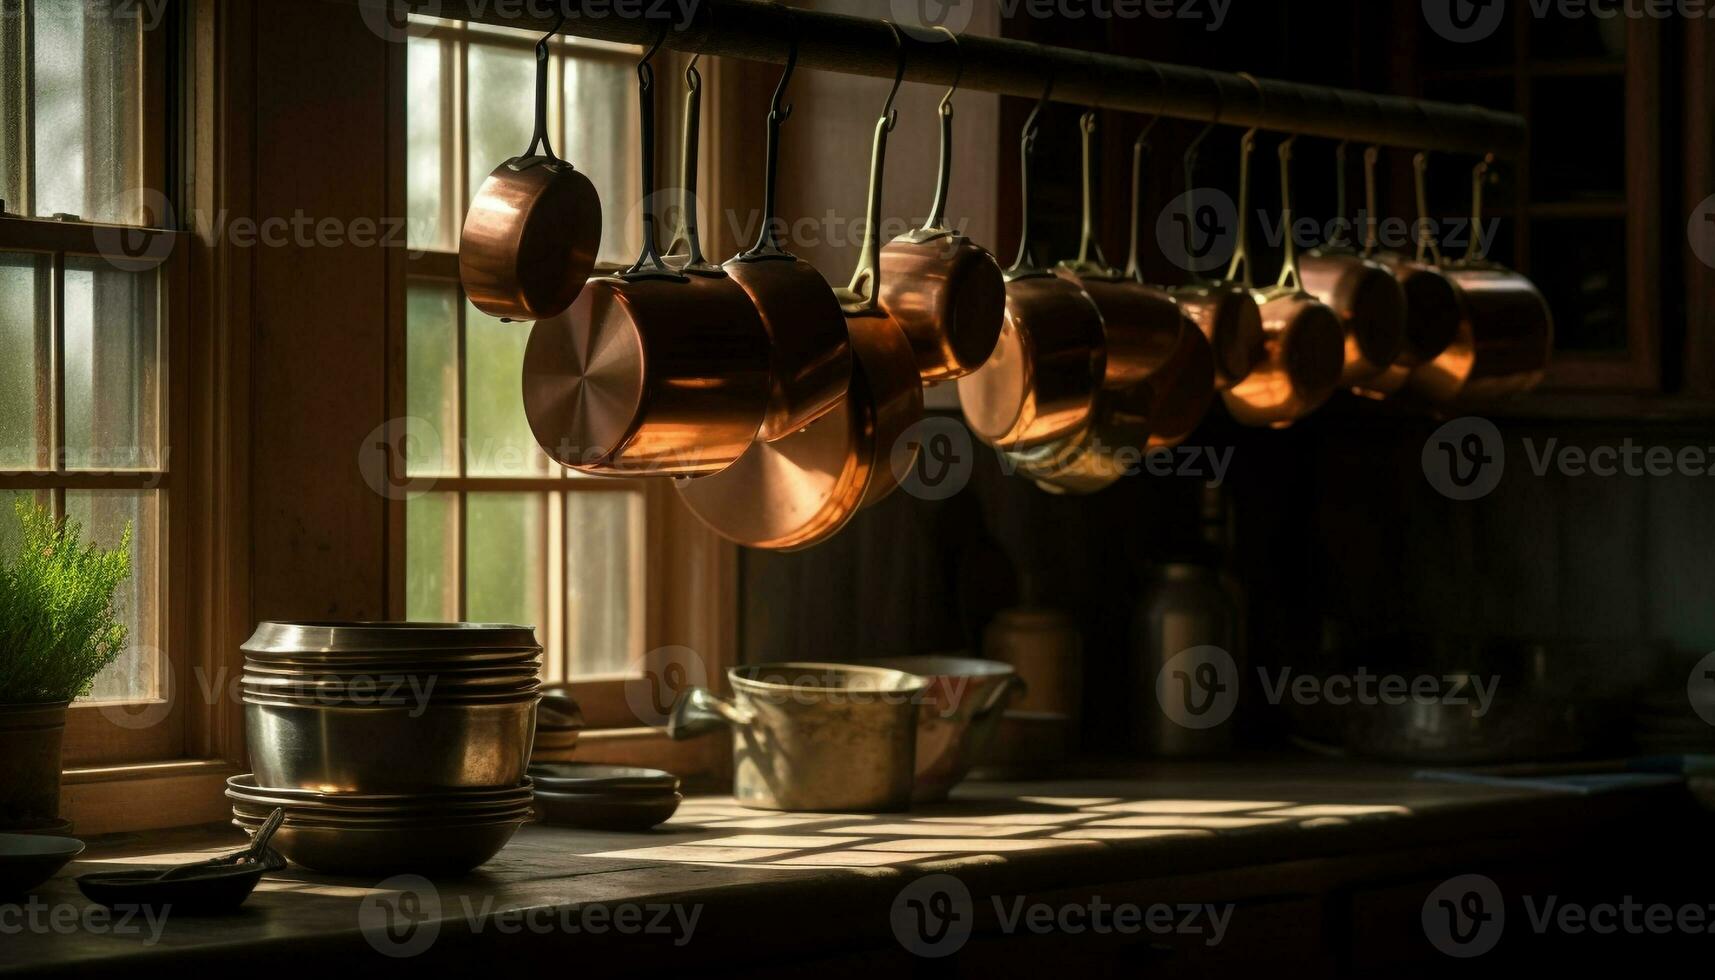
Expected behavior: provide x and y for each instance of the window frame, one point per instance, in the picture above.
(98, 734)
(689, 574)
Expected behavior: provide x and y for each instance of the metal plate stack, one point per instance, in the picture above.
(622, 798)
(392, 746)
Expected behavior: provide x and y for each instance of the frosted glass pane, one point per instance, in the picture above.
(432, 225)
(499, 441)
(104, 515)
(505, 540)
(11, 530)
(431, 380)
(601, 140)
(604, 555)
(501, 106)
(111, 367)
(431, 558)
(88, 108)
(12, 102)
(24, 330)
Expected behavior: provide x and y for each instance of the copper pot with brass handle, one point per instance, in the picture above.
(1506, 331)
(1224, 311)
(653, 371)
(1141, 325)
(1306, 341)
(531, 236)
(1433, 318)
(1040, 384)
(944, 290)
(1366, 295)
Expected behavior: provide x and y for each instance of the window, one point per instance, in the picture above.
(501, 533)
(91, 321)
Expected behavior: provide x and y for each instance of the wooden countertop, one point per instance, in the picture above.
(752, 888)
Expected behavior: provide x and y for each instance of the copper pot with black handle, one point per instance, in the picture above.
(1040, 384)
(533, 230)
(800, 490)
(653, 371)
(810, 355)
(944, 290)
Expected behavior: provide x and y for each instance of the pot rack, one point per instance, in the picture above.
(759, 30)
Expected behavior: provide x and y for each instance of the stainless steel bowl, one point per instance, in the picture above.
(957, 718)
(426, 850)
(432, 747)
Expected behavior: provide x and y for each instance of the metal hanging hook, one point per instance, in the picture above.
(1479, 176)
(1372, 221)
(958, 70)
(779, 112)
(1239, 269)
(1289, 280)
(864, 293)
(768, 238)
(1139, 154)
(1026, 262)
(1426, 243)
(888, 112)
(1090, 255)
(649, 262)
(541, 140)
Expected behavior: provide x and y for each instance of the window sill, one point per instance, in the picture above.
(151, 796)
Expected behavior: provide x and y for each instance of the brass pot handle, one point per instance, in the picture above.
(700, 712)
(1239, 270)
(863, 295)
(1026, 264)
(1288, 283)
(936, 223)
(1426, 243)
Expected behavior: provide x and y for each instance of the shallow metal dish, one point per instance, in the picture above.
(383, 851)
(243, 790)
(323, 818)
(361, 749)
(607, 811)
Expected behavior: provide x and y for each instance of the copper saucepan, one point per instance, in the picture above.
(1506, 331)
(944, 290)
(802, 489)
(1432, 315)
(1182, 389)
(810, 356)
(652, 371)
(1100, 454)
(531, 236)
(1305, 340)
(1140, 325)
(1224, 311)
(1040, 384)
(1366, 295)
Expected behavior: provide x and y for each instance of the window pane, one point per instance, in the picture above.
(601, 141)
(111, 372)
(431, 558)
(12, 147)
(505, 571)
(604, 546)
(88, 104)
(11, 531)
(24, 338)
(104, 515)
(431, 380)
(498, 442)
(500, 106)
(424, 165)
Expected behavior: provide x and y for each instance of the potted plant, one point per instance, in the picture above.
(58, 630)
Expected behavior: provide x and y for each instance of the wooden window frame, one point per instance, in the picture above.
(124, 774)
(689, 574)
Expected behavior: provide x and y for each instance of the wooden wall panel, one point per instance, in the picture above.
(320, 312)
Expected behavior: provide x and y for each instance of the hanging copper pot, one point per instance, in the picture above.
(534, 228)
(944, 290)
(652, 371)
(1432, 314)
(1140, 325)
(1224, 311)
(810, 356)
(800, 490)
(1364, 293)
(1506, 331)
(1305, 340)
(1097, 456)
(1040, 384)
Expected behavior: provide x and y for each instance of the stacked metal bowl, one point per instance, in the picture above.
(392, 746)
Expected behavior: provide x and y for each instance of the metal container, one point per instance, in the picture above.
(1371, 306)
(438, 644)
(1046, 648)
(341, 748)
(531, 237)
(814, 737)
(444, 849)
(957, 719)
(1186, 606)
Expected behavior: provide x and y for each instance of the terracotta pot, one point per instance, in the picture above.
(30, 739)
